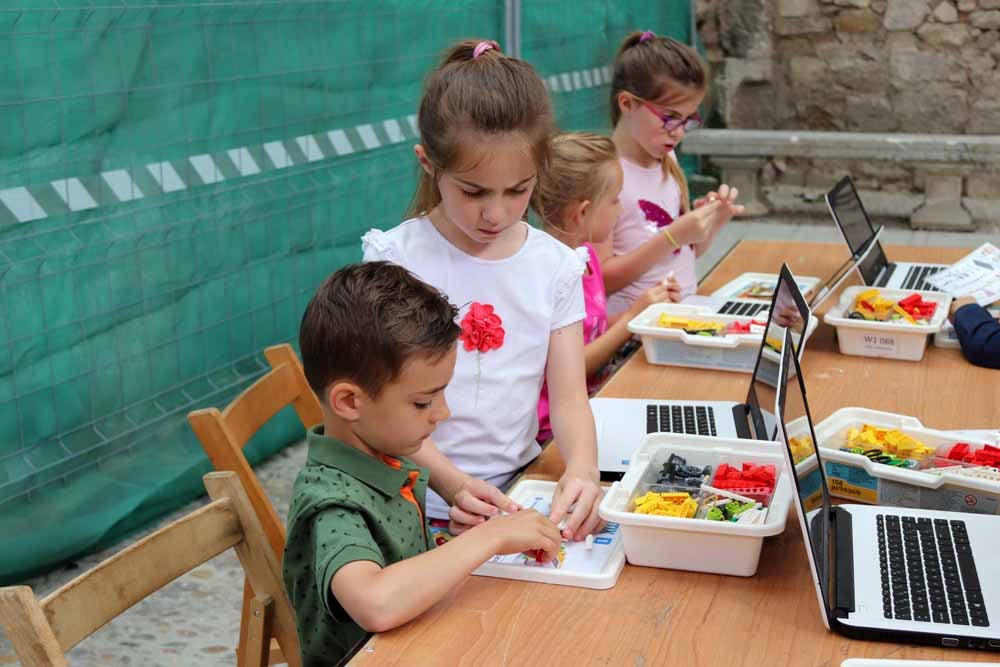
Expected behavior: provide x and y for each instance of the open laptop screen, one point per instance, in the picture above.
(788, 311)
(843, 271)
(849, 214)
(799, 439)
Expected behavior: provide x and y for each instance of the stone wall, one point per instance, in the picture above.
(910, 66)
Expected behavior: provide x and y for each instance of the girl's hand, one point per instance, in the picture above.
(475, 502)
(724, 194)
(673, 288)
(578, 494)
(656, 294)
(726, 208)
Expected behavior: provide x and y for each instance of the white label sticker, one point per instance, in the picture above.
(879, 343)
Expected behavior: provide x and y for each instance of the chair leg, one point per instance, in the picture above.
(276, 657)
(258, 648)
(246, 617)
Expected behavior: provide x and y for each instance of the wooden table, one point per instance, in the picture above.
(670, 617)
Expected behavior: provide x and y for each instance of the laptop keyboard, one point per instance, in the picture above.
(928, 572)
(915, 278)
(690, 419)
(744, 308)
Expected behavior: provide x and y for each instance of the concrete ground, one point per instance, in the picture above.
(195, 620)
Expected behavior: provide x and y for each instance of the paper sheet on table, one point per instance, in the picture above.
(977, 275)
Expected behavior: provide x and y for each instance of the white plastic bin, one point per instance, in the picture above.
(698, 545)
(674, 347)
(888, 340)
(962, 488)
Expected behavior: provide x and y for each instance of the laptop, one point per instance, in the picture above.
(856, 228)
(891, 573)
(727, 300)
(833, 283)
(750, 307)
(622, 423)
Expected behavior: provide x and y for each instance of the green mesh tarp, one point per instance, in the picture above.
(175, 180)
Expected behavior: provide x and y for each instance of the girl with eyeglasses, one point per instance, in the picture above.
(656, 88)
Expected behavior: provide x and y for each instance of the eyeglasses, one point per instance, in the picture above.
(671, 123)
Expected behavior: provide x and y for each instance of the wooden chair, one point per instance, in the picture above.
(42, 631)
(224, 434)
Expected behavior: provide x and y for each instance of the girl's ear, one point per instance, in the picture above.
(576, 213)
(424, 161)
(625, 102)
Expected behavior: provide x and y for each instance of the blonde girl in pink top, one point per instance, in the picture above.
(657, 85)
(578, 201)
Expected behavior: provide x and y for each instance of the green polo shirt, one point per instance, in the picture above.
(346, 506)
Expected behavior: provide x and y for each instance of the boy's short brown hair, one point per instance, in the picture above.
(367, 320)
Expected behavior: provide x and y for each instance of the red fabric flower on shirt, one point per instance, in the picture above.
(481, 328)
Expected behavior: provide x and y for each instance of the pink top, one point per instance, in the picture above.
(595, 323)
(650, 201)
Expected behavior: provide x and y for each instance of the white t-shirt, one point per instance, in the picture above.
(493, 396)
(650, 201)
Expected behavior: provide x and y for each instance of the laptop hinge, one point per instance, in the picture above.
(741, 417)
(843, 558)
(887, 272)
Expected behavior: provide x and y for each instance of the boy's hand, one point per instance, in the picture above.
(475, 502)
(525, 530)
(578, 495)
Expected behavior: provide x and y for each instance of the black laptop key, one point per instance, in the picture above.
(652, 419)
(912, 277)
(980, 621)
(970, 578)
(689, 425)
(676, 421)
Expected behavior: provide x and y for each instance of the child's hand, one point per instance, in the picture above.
(475, 502)
(958, 303)
(578, 494)
(658, 293)
(722, 204)
(667, 290)
(526, 530)
(673, 288)
(725, 194)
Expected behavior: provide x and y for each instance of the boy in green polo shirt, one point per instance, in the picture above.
(378, 348)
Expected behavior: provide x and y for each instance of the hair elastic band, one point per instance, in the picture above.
(649, 34)
(483, 47)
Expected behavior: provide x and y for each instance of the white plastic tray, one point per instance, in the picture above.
(598, 567)
(733, 290)
(889, 340)
(695, 544)
(674, 347)
(854, 476)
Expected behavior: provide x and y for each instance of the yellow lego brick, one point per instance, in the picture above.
(668, 322)
(906, 315)
(867, 295)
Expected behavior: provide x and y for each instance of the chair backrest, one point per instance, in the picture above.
(224, 434)
(42, 631)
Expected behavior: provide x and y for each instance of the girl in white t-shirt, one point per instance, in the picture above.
(656, 87)
(485, 121)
